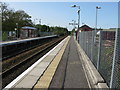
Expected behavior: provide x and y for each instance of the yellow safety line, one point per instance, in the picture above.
(45, 80)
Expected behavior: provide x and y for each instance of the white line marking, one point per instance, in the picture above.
(30, 68)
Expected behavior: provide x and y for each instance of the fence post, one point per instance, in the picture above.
(82, 34)
(1, 67)
(85, 43)
(80, 38)
(88, 44)
(83, 40)
(116, 61)
(99, 50)
(92, 46)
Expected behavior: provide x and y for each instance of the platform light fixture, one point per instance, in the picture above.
(75, 6)
(97, 7)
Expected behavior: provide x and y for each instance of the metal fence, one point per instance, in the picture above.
(104, 51)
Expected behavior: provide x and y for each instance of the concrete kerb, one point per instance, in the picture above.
(94, 77)
(102, 86)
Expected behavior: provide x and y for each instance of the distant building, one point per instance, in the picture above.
(85, 28)
(28, 32)
(109, 34)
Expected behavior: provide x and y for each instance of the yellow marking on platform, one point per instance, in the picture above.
(45, 80)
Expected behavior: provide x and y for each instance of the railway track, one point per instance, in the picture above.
(11, 49)
(16, 65)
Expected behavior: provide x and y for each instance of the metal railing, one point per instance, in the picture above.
(104, 52)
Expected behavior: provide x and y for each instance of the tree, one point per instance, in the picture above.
(38, 26)
(59, 30)
(44, 28)
(11, 17)
(4, 9)
(55, 30)
(22, 18)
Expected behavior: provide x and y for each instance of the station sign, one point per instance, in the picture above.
(73, 24)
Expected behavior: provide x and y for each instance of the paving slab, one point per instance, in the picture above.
(27, 82)
(55, 51)
(102, 86)
(43, 64)
(49, 58)
(37, 72)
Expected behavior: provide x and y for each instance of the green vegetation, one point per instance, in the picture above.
(56, 30)
(59, 30)
(12, 19)
(4, 36)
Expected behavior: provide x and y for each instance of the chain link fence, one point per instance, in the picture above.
(104, 51)
(115, 76)
(106, 54)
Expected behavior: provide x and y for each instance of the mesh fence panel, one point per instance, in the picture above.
(107, 50)
(115, 77)
(101, 50)
(95, 49)
(88, 45)
(86, 41)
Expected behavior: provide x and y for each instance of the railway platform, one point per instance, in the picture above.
(62, 67)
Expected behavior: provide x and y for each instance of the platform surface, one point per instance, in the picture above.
(59, 68)
(70, 73)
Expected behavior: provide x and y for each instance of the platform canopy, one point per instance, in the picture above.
(29, 28)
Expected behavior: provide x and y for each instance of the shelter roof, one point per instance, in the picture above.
(27, 27)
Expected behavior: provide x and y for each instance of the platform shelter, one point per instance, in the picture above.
(28, 32)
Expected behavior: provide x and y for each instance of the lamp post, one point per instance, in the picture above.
(16, 32)
(96, 22)
(17, 29)
(35, 21)
(40, 21)
(78, 19)
(47, 28)
(74, 23)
